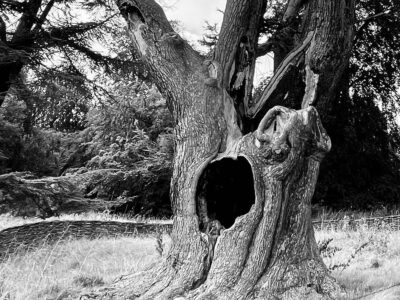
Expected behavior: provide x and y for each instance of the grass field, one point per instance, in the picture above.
(7, 220)
(363, 261)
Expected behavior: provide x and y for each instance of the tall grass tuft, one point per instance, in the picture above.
(362, 259)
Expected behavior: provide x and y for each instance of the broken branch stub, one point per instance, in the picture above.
(280, 123)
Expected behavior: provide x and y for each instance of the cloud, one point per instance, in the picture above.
(193, 14)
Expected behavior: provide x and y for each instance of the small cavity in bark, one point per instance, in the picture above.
(225, 192)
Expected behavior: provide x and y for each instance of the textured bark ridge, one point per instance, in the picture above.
(241, 198)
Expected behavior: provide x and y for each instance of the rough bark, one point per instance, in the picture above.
(319, 58)
(330, 50)
(256, 242)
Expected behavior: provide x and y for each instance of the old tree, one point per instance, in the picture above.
(245, 167)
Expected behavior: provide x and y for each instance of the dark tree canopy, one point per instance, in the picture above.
(59, 43)
(365, 109)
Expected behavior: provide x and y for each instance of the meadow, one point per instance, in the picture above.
(363, 260)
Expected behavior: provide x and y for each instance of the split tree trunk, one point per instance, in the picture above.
(241, 199)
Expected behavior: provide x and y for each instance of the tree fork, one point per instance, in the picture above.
(322, 53)
(252, 242)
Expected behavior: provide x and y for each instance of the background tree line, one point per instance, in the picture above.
(69, 104)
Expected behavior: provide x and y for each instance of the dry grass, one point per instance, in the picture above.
(320, 214)
(7, 220)
(363, 260)
(63, 270)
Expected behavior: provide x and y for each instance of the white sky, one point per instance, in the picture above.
(193, 14)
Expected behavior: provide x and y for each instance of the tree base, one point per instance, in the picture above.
(268, 249)
(308, 280)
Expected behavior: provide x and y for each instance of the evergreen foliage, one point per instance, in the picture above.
(366, 114)
(78, 101)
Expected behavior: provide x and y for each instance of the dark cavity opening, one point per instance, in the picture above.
(225, 191)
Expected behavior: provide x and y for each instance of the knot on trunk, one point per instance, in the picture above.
(283, 129)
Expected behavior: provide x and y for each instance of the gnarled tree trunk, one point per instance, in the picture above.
(241, 198)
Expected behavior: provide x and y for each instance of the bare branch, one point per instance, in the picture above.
(235, 52)
(368, 20)
(171, 60)
(282, 41)
(291, 59)
(292, 8)
(74, 30)
(383, 13)
(44, 15)
(240, 25)
(329, 53)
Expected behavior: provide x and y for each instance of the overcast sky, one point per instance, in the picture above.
(192, 15)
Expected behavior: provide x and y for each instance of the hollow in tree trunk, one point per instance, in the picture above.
(241, 197)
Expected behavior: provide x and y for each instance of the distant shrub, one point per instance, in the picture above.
(38, 151)
(135, 111)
